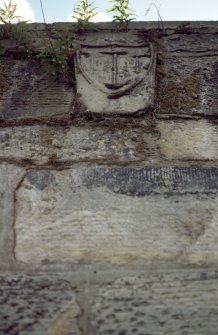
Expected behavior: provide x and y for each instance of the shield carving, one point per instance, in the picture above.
(115, 75)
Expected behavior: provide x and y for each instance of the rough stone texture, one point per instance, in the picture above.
(188, 140)
(10, 176)
(117, 71)
(118, 215)
(27, 91)
(185, 140)
(187, 73)
(43, 145)
(180, 303)
(37, 305)
(107, 229)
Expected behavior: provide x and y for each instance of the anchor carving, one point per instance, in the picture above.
(120, 67)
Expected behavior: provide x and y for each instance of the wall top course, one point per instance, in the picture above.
(153, 68)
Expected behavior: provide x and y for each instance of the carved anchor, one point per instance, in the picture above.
(117, 88)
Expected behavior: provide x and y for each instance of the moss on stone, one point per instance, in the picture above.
(179, 96)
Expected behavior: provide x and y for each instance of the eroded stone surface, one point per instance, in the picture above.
(187, 82)
(43, 145)
(116, 72)
(27, 91)
(188, 40)
(188, 140)
(118, 215)
(187, 72)
(169, 303)
(37, 305)
(10, 176)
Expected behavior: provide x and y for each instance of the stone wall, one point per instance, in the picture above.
(109, 188)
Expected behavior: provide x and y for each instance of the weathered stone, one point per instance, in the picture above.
(180, 302)
(187, 75)
(37, 305)
(118, 215)
(10, 177)
(70, 224)
(188, 140)
(43, 145)
(116, 72)
(27, 91)
(188, 40)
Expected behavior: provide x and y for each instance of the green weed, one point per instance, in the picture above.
(58, 56)
(84, 12)
(122, 14)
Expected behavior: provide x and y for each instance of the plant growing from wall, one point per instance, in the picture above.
(16, 32)
(58, 56)
(7, 15)
(84, 12)
(122, 13)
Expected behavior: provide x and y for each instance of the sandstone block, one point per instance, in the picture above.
(37, 305)
(179, 302)
(41, 145)
(116, 70)
(118, 215)
(27, 91)
(187, 73)
(188, 140)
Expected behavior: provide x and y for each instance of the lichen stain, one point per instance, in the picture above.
(179, 96)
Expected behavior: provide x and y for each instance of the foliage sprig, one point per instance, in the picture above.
(84, 12)
(122, 13)
(58, 56)
(17, 32)
(8, 13)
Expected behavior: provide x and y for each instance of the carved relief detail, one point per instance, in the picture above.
(114, 69)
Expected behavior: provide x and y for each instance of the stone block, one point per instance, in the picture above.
(27, 91)
(118, 215)
(116, 72)
(177, 302)
(37, 305)
(188, 140)
(194, 40)
(187, 73)
(46, 145)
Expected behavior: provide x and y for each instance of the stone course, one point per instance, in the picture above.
(109, 188)
(118, 215)
(158, 304)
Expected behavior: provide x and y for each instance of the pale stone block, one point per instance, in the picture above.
(116, 72)
(188, 140)
(176, 302)
(118, 216)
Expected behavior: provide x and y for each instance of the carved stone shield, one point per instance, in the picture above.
(116, 73)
